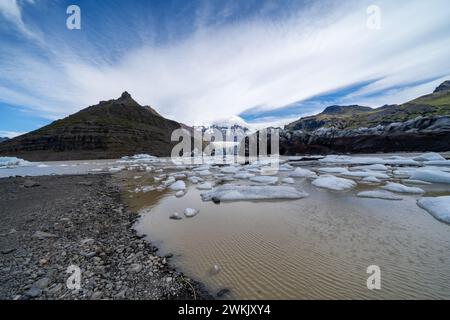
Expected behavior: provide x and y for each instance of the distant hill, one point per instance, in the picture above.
(110, 129)
(3, 139)
(349, 117)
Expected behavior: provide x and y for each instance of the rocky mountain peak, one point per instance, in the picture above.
(344, 109)
(444, 86)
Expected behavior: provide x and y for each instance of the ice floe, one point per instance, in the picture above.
(264, 179)
(334, 183)
(204, 186)
(302, 173)
(178, 185)
(288, 180)
(189, 212)
(394, 160)
(371, 179)
(243, 175)
(429, 156)
(429, 175)
(438, 207)
(250, 193)
(385, 195)
(400, 188)
(180, 193)
(230, 169)
(374, 167)
(12, 162)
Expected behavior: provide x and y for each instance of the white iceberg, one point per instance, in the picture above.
(365, 174)
(371, 179)
(428, 175)
(180, 193)
(333, 170)
(243, 175)
(374, 167)
(395, 160)
(288, 180)
(400, 188)
(195, 179)
(411, 181)
(204, 186)
(230, 169)
(302, 173)
(438, 163)
(429, 156)
(438, 207)
(204, 173)
(334, 183)
(264, 179)
(250, 193)
(178, 185)
(385, 195)
(189, 212)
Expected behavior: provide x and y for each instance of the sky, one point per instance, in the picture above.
(196, 61)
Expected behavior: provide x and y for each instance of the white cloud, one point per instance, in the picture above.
(222, 71)
(10, 134)
(11, 11)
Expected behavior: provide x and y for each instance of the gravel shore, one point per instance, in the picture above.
(50, 223)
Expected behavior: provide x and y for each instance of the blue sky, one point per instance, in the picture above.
(269, 62)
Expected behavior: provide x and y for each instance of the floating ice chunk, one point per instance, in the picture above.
(195, 179)
(175, 216)
(264, 179)
(205, 186)
(374, 167)
(288, 180)
(429, 175)
(243, 175)
(302, 173)
(334, 183)
(295, 158)
(113, 169)
(250, 193)
(371, 179)
(204, 173)
(178, 185)
(189, 212)
(46, 166)
(230, 169)
(365, 174)
(333, 170)
(385, 195)
(400, 188)
(438, 163)
(438, 207)
(179, 176)
(286, 167)
(411, 181)
(180, 193)
(395, 160)
(429, 156)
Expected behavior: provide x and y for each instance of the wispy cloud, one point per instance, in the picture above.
(11, 10)
(224, 69)
(10, 134)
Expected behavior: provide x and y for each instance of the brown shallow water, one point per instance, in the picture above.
(314, 248)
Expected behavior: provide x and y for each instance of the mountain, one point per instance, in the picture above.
(108, 130)
(3, 139)
(422, 124)
(350, 117)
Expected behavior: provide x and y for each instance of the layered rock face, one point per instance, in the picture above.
(422, 124)
(111, 129)
(420, 134)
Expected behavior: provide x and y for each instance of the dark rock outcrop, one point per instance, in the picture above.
(445, 86)
(111, 129)
(3, 139)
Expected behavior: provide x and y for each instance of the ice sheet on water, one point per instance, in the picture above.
(429, 156)
(394, 160)
(334, 183)
(264, 179)
(400, 188)
(444, 163)
(438, 207)
(378, 194)
(145, 158)
(204, 186)
(232, 192)
(371, 179)
(302, 173)
(178, 185)
(374, 167)
(243, 175)
(230, 169)
(430, 175)
(288, 180)
(12, 162)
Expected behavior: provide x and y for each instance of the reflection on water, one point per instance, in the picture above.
(313, 248)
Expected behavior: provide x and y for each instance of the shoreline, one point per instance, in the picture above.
(49, 223)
